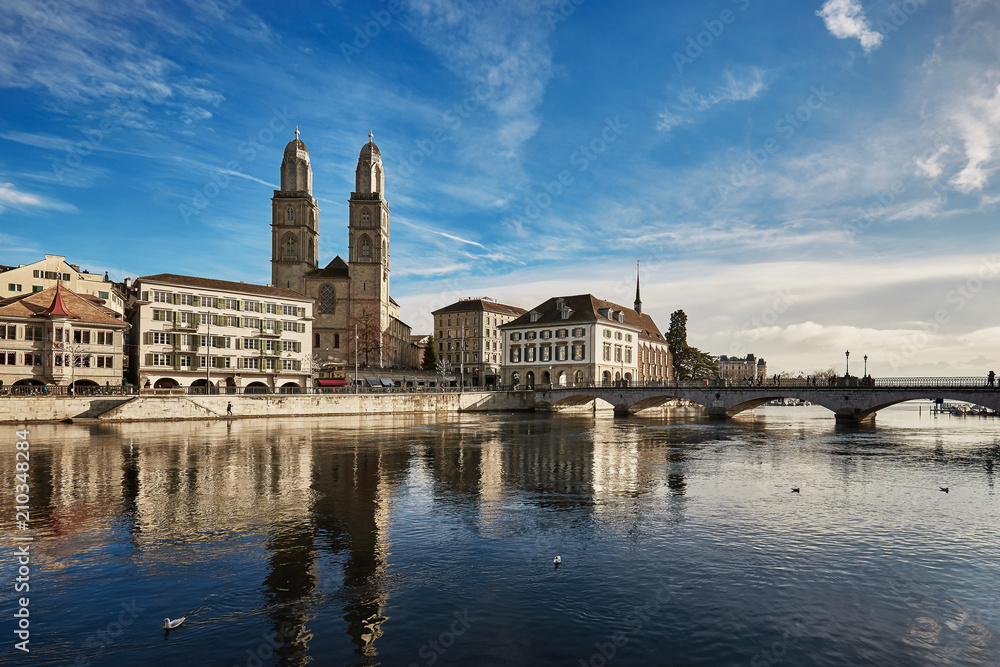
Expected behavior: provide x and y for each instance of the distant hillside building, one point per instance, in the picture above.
(45, 273)
(190, 332)
(580, 340)
(468, 336)
(57, 337)
(355, 316)
(739, 369)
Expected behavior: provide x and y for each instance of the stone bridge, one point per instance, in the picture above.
(848, 399)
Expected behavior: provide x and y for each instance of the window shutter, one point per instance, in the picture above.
(195, 320)
(196, 301)
(149, 359)
(145, 295)
(175, 359)
(239, 344)
(298, 346)
(300, 327)
(195, 361)
(149, 338)
(298, 365)
(302, 312)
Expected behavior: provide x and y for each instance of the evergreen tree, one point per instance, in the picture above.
(689, 363)
(430, 355)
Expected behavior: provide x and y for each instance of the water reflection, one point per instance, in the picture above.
(326, 536)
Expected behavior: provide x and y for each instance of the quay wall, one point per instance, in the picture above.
(166, 408)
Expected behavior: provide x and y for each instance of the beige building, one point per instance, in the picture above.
(469, 337)
(190, 331)
(740, 370)
(45, 273)
(583, 340)
(57, 337)
(355, 316)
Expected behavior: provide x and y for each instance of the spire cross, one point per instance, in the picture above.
(370, 136)
(296, 131)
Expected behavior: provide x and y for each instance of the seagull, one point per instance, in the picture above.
(170, 625)
(557, 560)
(944, 488)
(795, 489)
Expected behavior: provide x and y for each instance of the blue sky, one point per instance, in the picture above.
(801, 177)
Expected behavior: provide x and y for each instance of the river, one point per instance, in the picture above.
(429, 540)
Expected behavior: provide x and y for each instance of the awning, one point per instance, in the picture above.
(387, 383)
(331, 383)
(373, 382)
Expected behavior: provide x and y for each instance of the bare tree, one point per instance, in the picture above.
(370, 335)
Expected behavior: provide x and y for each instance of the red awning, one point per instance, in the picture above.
(332, 383)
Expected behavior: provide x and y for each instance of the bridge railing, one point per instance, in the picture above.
(837, 383)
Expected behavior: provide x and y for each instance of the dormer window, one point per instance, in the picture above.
(566, 313)
(560, 304)
(535, 315)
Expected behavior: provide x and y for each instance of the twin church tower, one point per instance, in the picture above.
(348, 296)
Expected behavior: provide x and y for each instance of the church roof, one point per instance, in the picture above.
(71, 304)
(338, 268)
(223, 285)
(370, 152)
(296, 149)
(587, 308)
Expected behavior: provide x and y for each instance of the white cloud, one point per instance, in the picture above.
(690, 102)
(846, 20)
(979, 123)
(10, 196)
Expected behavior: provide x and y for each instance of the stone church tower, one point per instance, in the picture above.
(355, 292)
(294, 220)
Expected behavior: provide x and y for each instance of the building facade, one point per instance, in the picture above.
(354, 315)
(194, 332)
(583, 340)
(45, 273)
(470, 339)
(59, 338)
(741, 370)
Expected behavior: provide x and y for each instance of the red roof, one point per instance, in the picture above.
(57, 308)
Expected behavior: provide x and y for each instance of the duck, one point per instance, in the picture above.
(557, 560)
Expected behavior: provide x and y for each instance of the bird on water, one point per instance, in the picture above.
(170, 625)
(944, 488)
(795, 489)
(557, 560)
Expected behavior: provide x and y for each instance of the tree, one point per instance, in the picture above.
(430, 355)
(369, 342)
(689, 363)
(443, 367)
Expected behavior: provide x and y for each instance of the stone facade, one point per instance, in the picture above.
(582, 340)
(739, 370)
(190, 332)
(474, 323)
(355, 318)
(57, 337)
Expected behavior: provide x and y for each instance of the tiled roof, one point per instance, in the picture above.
(224, 285)
(586, 308)
(33, 305)
(469, 305)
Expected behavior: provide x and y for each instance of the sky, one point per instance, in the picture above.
(802, 177)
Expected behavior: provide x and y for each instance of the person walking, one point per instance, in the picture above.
(229, 409)
(991, 379)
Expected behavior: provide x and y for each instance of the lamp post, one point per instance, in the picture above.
(355, 357)
(847, 365)
(866, 365)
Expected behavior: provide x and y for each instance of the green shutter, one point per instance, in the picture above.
(298, 365)
(302, 312)
(149, 359)
(145, 295)
(239, 343)
(195, 320)
(298, 346)
(300, 327)
(149, 338)
(195, 360)
(196, 301)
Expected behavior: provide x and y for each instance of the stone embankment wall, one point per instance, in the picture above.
(153, 408)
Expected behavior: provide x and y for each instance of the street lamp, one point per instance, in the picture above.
(847, 366)
(866, 365)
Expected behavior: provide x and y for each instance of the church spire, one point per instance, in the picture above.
(638, 301)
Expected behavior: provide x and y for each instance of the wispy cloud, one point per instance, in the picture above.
(845, 19)
(446, 235)
(11, 197)
(690, 102)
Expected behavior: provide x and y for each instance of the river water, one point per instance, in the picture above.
(429, 540)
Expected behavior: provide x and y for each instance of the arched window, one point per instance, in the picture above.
(365, 216)
(385, 257)
(290, 214)
(366, 249)
(316, 341)
(290, 247)
(327, 299)
(336, 340)
(310, 257)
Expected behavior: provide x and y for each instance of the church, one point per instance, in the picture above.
(355, 318)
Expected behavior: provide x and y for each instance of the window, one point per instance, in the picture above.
(607, 352)
(81, 336)
(366, 249)
(579, 332)
(607, 333)
(618, 352)
(161, 297)
(515, 336)
(185, 361)
(187, 319)
(251, 322)
(531, 335)
(8, 358)
(251, 306)
(289, 326)
(315, 340)
(327, 299)
(365, 216)
(288, 365)
(289, 248)
(535, 315)
(562, 352)
(272, 308)
(14, 287)
(269, 364)
(618, 335)
(529, 354)
(187, 299)
(209, 302)
(103, 337)
(251, 362)
(546, 334)
(562, 333)
(579, 351)
(628, 338)
(161, 359)
(545, 353)
(515, 355)
(161, 338)
(290, 310)
(628, 355)
(58, 335)
(336, 340)
(37, 288)
(33, 333)
(290, 214)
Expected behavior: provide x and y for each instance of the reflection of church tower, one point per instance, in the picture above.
(294, 220)
(369, 237)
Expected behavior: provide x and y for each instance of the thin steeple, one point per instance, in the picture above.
(638, 301)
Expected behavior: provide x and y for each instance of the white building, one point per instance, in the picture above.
(188, 332)
(584, 340)
(43, 274)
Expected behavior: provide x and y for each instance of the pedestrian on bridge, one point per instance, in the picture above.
(991, 379)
